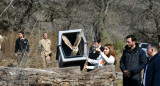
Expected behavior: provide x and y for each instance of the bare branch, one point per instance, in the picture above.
(106, 9)
(6, 8)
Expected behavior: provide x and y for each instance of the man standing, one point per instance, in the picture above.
(45, 48)
(97, 44)
(21, 47)
(132, 62)
(152, 70)
(93, 54)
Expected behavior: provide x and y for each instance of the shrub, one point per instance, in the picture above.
(119, 46)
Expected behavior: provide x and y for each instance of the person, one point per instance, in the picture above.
(45, 48)
(1, 40)
(152, 69)
(93, 54)
(96, 44)
(106, 58)
(21, 47)
(132, 62)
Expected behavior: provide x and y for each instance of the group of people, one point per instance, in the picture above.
(22, 49)
(132, 62)
(100, 56)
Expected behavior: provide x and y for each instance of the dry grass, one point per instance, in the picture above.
(117, 66)
(118, 82)
(34, 59)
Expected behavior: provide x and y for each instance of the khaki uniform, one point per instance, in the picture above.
(45, 47)
(1, 40)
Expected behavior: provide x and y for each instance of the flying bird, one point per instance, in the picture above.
(74, 48)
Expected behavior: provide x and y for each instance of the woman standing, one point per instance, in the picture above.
(105, 58)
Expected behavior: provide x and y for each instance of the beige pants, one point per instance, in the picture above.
(46, 59)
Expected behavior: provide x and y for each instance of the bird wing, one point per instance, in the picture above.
(67, 42)
(78, 40)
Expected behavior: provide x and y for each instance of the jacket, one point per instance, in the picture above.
(1, 40)
(153, 71)
(95, 55)
(133, 61)
(22, 45)
(45, 46)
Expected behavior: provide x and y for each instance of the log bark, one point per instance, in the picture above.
(70, 76)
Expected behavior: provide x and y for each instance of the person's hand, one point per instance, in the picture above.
(15, 54)
(85, 67)
(126, 73)
(98, 50)
(87, 59)
(129, 74)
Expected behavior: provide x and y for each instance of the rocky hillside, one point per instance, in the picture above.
(110, 19)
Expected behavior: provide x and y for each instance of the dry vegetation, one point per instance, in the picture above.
(110, 19)
(34, 59)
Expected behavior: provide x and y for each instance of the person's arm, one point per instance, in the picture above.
(122, 67)
(27, 47)
(16, 46)
(92, 61)
(143, 61)
(156, 75)
(91, 67)
(109, 60)
(50, 44)
(1, 39)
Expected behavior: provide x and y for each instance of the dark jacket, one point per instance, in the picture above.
(21, 45)
(133, 61)
(153, 71)
(94, 55)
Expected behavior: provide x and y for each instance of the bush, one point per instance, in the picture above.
(119, 46)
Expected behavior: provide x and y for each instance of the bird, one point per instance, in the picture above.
(74, 48)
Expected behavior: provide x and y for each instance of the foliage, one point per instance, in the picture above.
(119, 46)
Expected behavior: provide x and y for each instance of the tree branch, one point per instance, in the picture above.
(6, 8)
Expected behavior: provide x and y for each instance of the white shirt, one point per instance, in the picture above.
(144, 78)
(98, 62)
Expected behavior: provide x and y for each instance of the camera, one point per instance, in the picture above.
(93, 49)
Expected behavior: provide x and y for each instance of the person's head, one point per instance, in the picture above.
(45, 35)
(21, 34)
(109, 50)
(97, 42)
(131, 41)
(152, 49)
